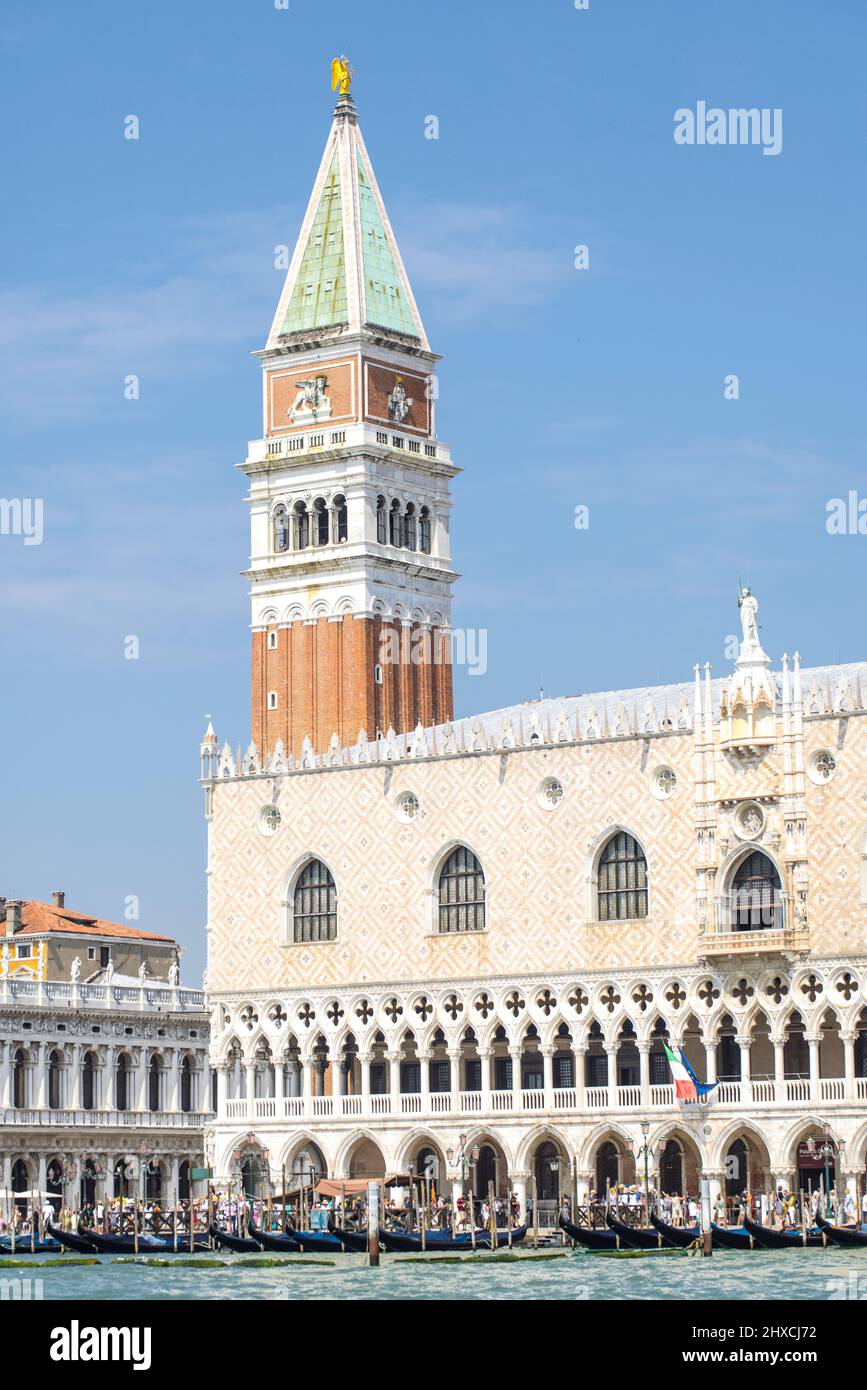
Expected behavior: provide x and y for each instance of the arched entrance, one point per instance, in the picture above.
(746, 1167)
(612, 1165)
(366, 1160)
(816, 1162)
(20, 1184)
(671, 1174)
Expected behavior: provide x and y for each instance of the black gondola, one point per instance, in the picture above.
(353, 1240)
(681, 1236)
(791, 1238)
(842, 1235)
(592, 1237)
(637, 1237)
(275, 1240)
(72, 1240)
(406, 1242)
(147, 1244)
(242, 1245)
(732, 1238)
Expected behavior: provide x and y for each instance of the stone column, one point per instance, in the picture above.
(338, 1077)
(710, 1059)
(644, 1065)
(250, 1088)
(222, 1090)
(813, 1045)
(173, 1099)
(848, 1040)
(486, 1060)
(279, 1085)
(779, 1068)
(364, 1063)
(142, 1079)
(293, 1078)
(75, 1076)
(548, 1076)
(580, 1055)
(515, 1054)
(39, 1053)
(5, 1081)
(307, 1084)
(394, 1081)
(424, 1067)
(518, 1184)
(455, 1078)
(744, 1043)
(611, 1054)
(108, 1084)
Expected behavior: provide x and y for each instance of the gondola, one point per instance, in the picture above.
(274, 1240)
(353, 1240)
(732, 1238)
(25, 1246)
(592, 1237)
(318, 1242)
(681, 1236)
(792, 1238)
(842, 1235)
(147, 1244)
(242, 1245)
(407, 1242)
(82, 1244)
(637, 1237)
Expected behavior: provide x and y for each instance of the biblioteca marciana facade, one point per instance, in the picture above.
(434, 940)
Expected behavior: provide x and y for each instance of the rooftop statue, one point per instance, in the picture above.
(341, 75)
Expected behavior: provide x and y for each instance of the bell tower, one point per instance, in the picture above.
(350, 571)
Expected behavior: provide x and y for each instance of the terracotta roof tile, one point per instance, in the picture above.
(38, 918)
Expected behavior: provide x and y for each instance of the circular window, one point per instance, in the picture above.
(269, 820)
(550, 794)
(663, 782)
(407, 806)
(821, 767)
(749, 821)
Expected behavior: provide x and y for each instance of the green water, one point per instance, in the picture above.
(727, 1275)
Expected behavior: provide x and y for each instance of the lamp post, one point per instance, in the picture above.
(465, 1161)
(643, 1151)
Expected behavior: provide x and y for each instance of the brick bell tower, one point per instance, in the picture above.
(349, 496)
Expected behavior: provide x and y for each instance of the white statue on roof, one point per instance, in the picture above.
(142, 972)
(749, 606)
(75, 971)
(174, 973)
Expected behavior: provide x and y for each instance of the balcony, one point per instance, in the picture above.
(150, 996)
(575, 1102)
(44, 1117)
(749, 924)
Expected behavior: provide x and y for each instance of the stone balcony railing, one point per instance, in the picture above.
(325, 438)
(149, 997)
(44, 1117)
(568, 1102)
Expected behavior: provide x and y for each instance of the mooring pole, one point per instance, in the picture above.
(706, 1228)
(373, 1224)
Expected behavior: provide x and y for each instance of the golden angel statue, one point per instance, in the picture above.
(341, 74)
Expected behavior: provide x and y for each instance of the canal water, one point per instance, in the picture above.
(728, 1275)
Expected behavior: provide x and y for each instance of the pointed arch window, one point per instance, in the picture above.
(622, 880)
(461, 893)
(315, 904)
(755, 901)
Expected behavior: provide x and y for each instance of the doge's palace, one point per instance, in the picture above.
(430, 936)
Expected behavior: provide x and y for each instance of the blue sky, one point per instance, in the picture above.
(559, 387)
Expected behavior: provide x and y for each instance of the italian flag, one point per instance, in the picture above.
(686, 1084)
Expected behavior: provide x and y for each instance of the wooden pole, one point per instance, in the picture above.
(472, 1210)
(424, 1214)
(283, 1197)
(373, 1208)
(492, 1213)
(535, 1211)
(176, 1215)
(190, 1203)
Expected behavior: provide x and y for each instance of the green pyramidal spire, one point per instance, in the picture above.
(346, 271)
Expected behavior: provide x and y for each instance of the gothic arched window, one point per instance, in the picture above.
(315, 904)
(381, 521)
(395, 524)
(54, 1098)
(424, 531)
(622, 880)
(410, 528)
(186, 1085)
(281, 528)
(755, 900)
(88, 1080)
(462, 892)
(301, 526)
(340, 518)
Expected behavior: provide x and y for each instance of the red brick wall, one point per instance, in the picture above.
(323, 675)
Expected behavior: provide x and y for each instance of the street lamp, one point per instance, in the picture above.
(825, 1151)
(643, 1151)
